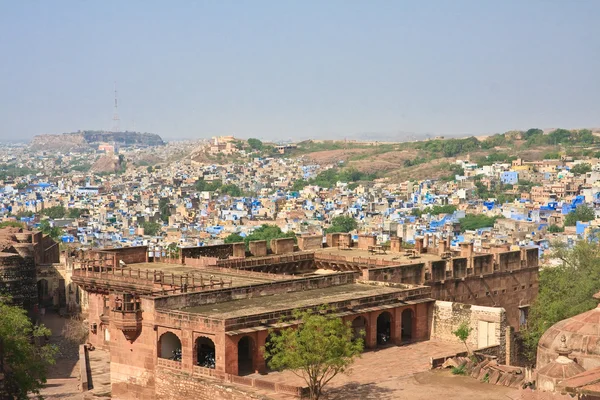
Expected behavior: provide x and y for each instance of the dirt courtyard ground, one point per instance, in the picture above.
(403, 373)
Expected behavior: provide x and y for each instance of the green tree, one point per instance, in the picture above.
(319, 349)
(554, 155)
(581, 169)
(204, 186)
(268, 232)
(555, 229)
(462, 333)
(172, 250)
(476, 221)
(12, 224)
(298, 185)
(342, 223)
(234, 238)
(151, 228)
(582, 213)
(55, 212)
(533, 132)
(53, 231)
(564, 291)
(231, 190)
(255, 144)
(24, 360)
(76, 212)
(25, 214)
(164, 208)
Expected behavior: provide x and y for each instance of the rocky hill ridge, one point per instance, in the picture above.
(86, 139)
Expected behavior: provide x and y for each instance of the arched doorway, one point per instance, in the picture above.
(42, 290)
(245, 355)
(384, 328)
(359, 328)
(407, 324)
(205, 352)
(169, 346)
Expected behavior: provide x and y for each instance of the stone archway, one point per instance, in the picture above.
(245, 355)
(407, 324)
(205, 353)
(169, 346)
(384, 328)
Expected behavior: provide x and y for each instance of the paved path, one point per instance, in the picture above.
(63, 377)
(401, 373)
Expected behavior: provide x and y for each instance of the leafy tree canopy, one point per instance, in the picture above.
(555, 229)
(151, 228)
(255, 144)
(582, 213)
(204, 186)
(434, 210)
(234, 238)
(319, 349)
(12, 224)
(164, 208)
(342, 223)
(231, 190)
(53, 231)
(76, 212)
(564, 291)
(476, 221)
(299, 184)
(581, 169)
(268, 232)
(24, 361)
(55, 212)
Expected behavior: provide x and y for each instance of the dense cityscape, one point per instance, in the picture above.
(321, 200)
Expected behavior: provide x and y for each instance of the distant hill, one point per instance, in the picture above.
(87, 139)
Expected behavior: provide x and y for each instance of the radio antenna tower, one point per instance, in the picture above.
(116, 120)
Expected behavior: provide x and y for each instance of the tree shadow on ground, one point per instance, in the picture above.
(357, 391)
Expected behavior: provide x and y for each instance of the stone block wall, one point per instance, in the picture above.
(396, 245)
(218, 251)
(132, 255)
(258, 248)
(18, 278)
(335, 239)
(176, 385)
(283, 245)
(448, 316)
(239, 250)
(509, 290)
(310, 242)
(408, 273)
(364, 241)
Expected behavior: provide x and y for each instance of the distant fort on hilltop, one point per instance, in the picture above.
(86, 139)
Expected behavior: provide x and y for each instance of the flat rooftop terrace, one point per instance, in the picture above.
(400, 258)
(236, 278)
(291, 300)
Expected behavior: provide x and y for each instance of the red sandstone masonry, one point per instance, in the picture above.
(172, 385)
(182, 300)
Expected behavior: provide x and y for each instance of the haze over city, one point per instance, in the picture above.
(296, 70)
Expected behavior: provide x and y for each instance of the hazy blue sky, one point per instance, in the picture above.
(282, 69)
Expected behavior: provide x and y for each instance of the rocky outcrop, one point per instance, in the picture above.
(88, 139)
(108, 164)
